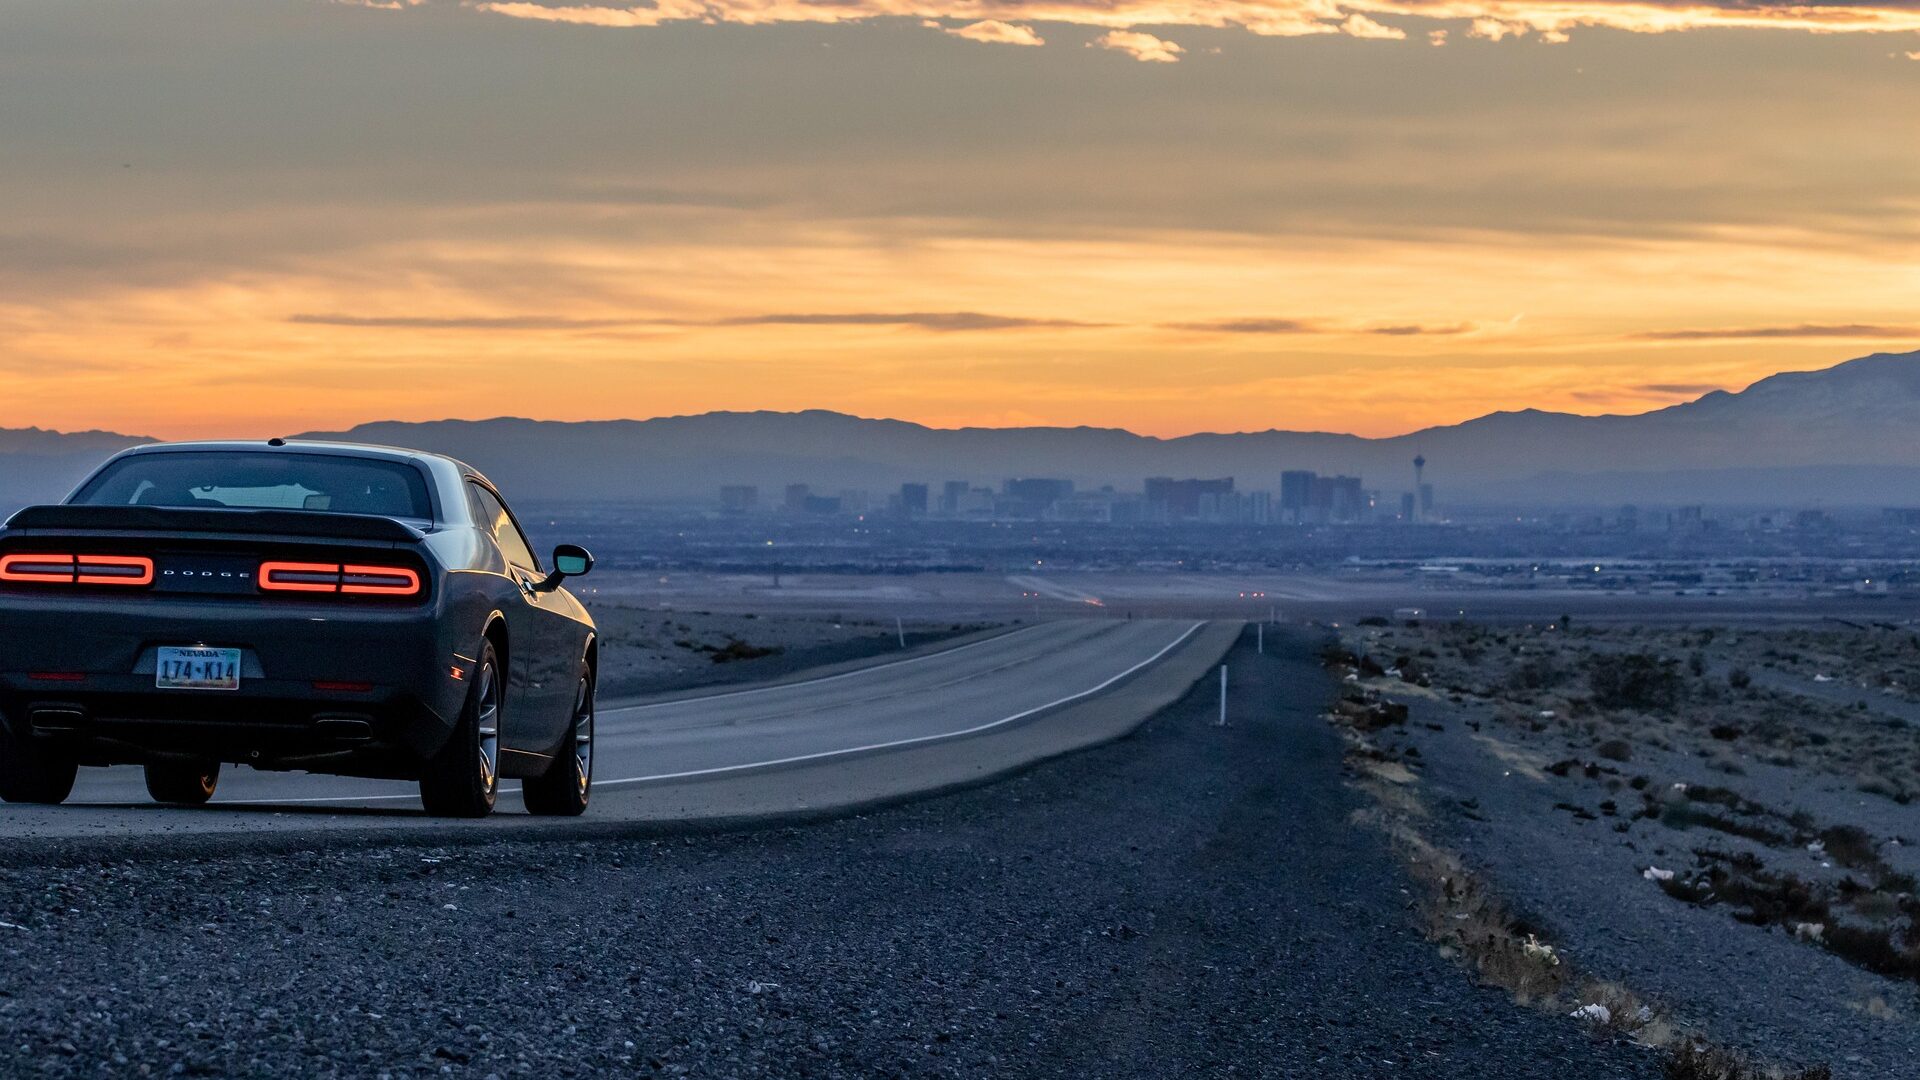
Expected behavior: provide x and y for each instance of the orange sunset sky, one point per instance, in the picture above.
(243, 217)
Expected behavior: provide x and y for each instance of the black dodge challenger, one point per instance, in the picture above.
(342, 609)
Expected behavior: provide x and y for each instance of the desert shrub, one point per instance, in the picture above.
(1334, 655)
(1850, 846)
(1615, 750)
(1370, 715)
(735, 649)
(1874, 948)
(1691, 1061)
(1536, 673)
(1739, 678)
(1886, 788)
(1633, 681)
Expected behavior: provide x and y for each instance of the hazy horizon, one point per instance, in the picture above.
(1275, 428)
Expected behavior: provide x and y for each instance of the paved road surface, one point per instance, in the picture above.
(806, 745)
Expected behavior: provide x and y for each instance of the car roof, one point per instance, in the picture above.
(282, 446)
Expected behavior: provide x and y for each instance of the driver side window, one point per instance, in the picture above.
(495, 518)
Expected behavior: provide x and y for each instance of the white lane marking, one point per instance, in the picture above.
(975, 730)
(777, 711)
(689, 774)
(830, 678)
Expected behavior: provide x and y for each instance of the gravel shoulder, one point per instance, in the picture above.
(1187, 900)
(1708, 851)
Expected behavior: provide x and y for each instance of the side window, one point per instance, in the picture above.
(494, 517)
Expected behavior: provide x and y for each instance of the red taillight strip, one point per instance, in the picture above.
(114, 570)
(300, 577)
(41, 568)
(127, 570)
(335, 578)
(380, 581)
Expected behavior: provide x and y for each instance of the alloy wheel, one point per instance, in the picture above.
(583, 737)
(487, 717)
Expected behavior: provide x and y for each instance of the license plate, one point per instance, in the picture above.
(197, 669)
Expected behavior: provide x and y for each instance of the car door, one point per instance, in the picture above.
(541, 683)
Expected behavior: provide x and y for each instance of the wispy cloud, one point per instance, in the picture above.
(1249, 326)
(936, 321)
(1846, 330)
(1642, 395)
(587, 15)
(992, 32)
(940, 321)
(1309, 326)
(1414, 330)
(1677, 389)
(505, 322)
(1549, 20)
(1357, 25)
(1143, 47)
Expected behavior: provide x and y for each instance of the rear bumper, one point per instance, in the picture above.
(361, 691)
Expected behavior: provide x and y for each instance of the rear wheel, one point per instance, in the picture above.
(566, 786)
(188, 783)
(461, 780)
(31, 771)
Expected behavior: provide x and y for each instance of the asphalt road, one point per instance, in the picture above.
(860, 736)
(1187, 901)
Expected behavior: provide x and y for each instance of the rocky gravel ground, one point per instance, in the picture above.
(1191, 900)
(1738, 850)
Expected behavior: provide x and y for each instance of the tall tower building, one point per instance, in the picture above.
(1419, 486)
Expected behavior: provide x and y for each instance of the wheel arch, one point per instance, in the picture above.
(496, 635)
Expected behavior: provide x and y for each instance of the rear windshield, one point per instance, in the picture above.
(262, 480)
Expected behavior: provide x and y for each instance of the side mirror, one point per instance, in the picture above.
(569, 560)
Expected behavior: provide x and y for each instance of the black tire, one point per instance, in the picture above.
(183, 783)
(464, 777)
(564, 789)
(33, 772)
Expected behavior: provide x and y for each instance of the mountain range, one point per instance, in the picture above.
(1845, 435)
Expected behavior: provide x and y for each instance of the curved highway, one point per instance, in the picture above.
(867, 735)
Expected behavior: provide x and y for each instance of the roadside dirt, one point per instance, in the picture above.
(1720, 819)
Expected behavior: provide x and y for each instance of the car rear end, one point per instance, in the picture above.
(287, 639)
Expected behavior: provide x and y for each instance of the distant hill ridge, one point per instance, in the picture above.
(1848, 434)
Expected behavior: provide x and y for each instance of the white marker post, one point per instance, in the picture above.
(1223, 695)
(901, 630)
